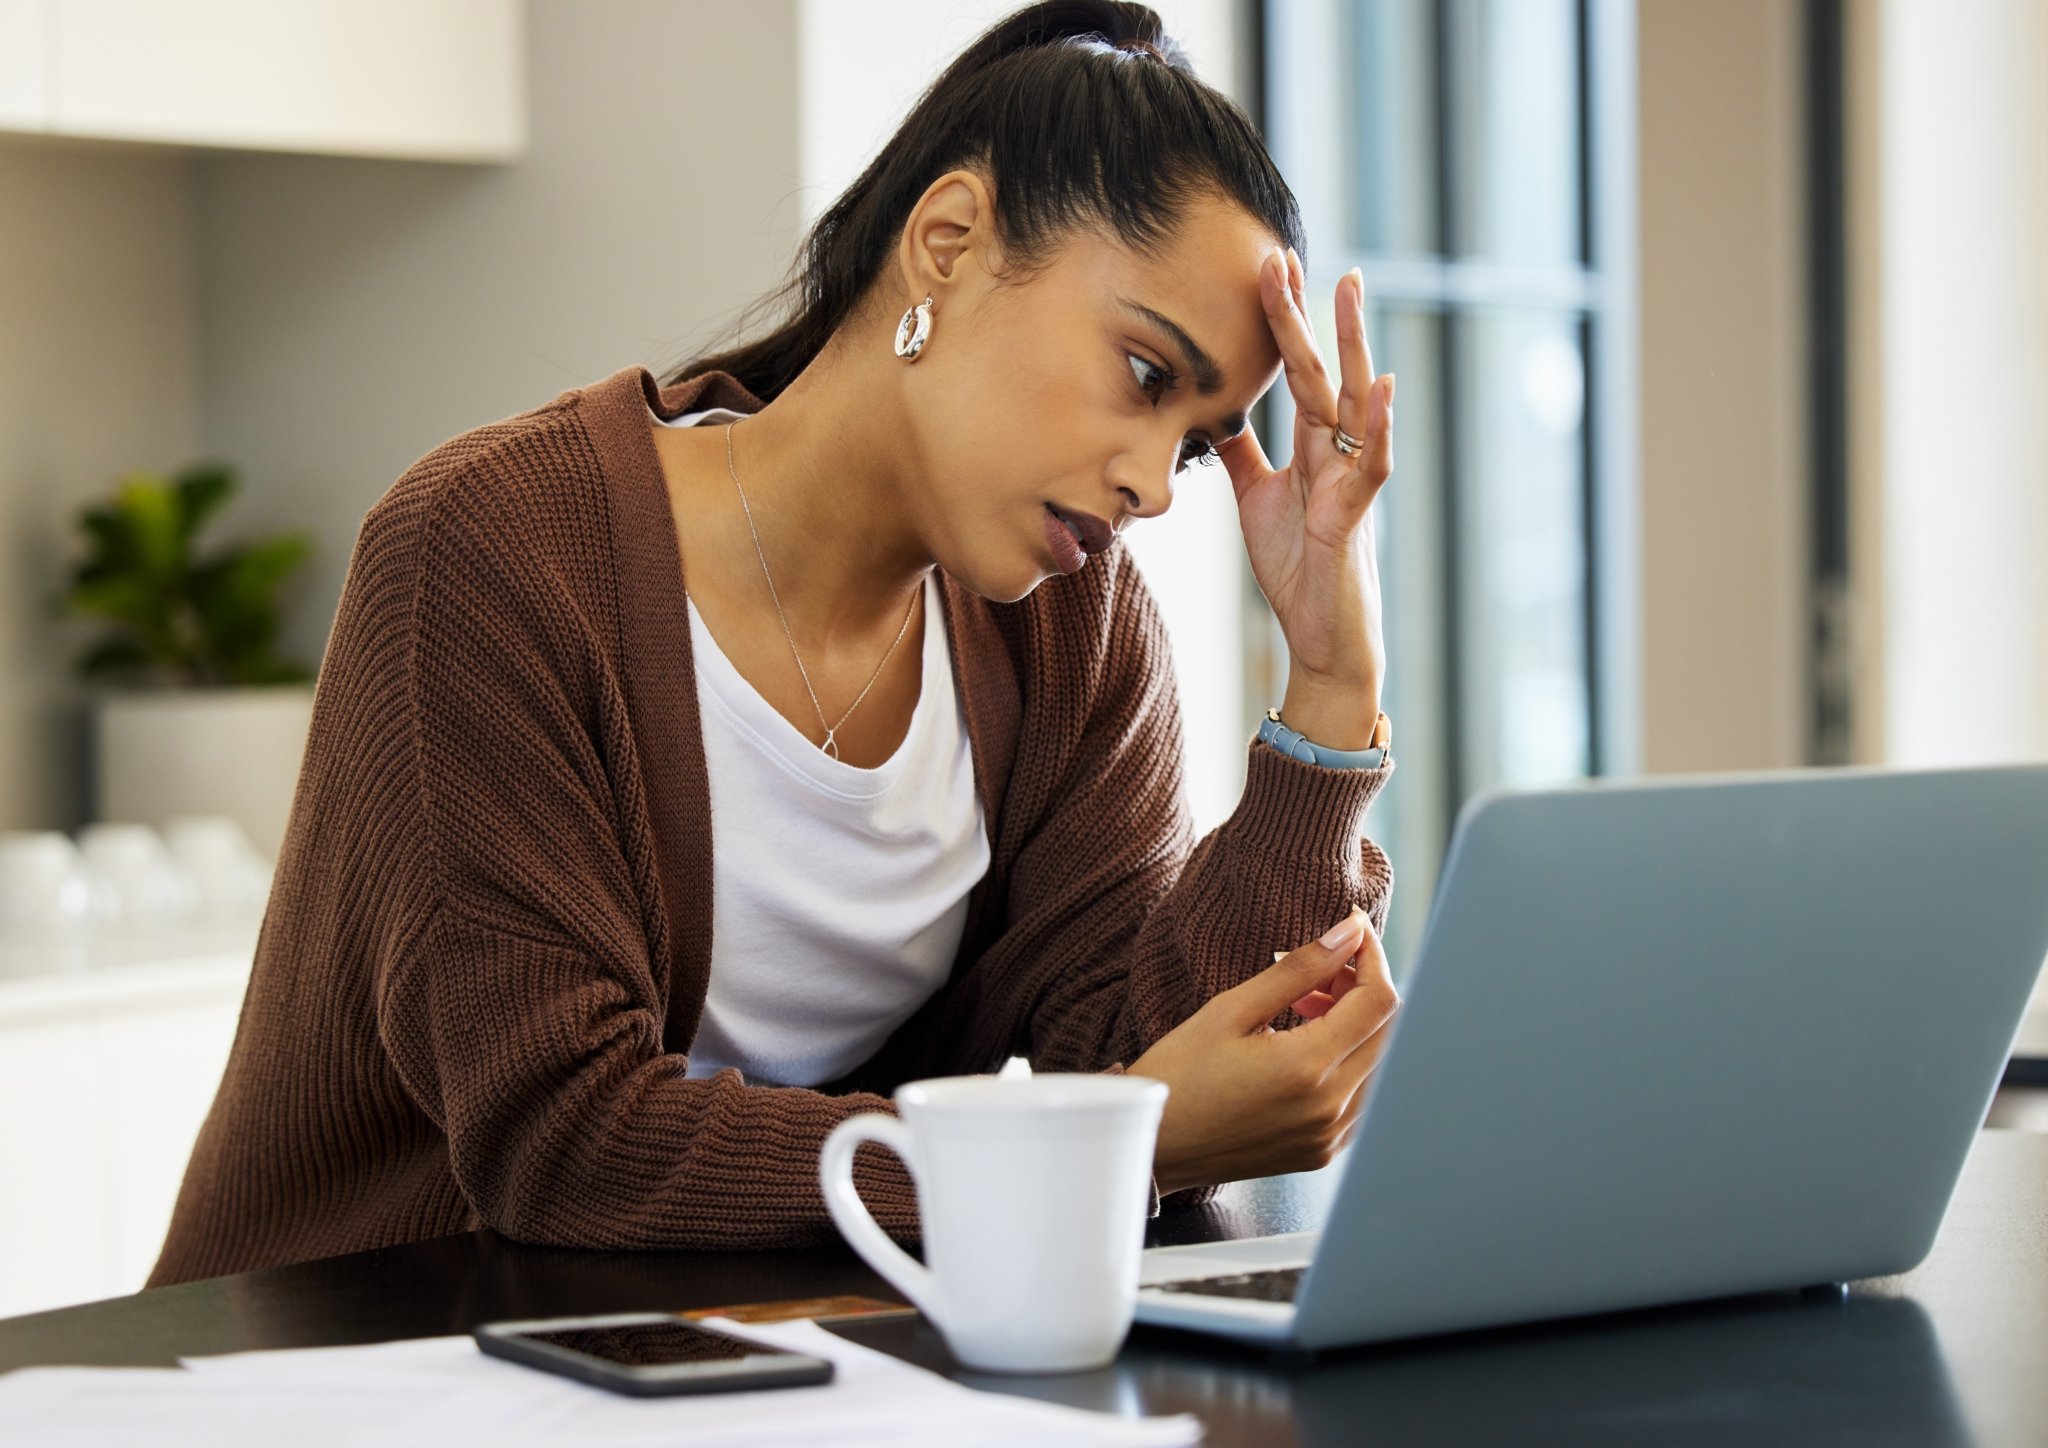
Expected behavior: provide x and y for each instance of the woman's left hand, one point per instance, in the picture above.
(1308, 526)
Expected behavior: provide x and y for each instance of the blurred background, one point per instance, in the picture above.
(1722, 330)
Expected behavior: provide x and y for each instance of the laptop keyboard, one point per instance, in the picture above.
(1279, 1285)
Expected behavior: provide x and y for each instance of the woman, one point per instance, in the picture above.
(605, 898)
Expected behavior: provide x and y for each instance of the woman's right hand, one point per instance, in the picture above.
(1246, 1100)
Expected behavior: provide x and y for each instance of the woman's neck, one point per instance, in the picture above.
(821, 468)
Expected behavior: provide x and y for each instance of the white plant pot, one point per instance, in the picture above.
(235, 752)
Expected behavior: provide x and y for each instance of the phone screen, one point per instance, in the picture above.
(654, 1344)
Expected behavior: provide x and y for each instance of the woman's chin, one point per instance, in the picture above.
(999, 582)
(1012, 590)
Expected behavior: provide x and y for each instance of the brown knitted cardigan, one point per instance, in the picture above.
(488, 940)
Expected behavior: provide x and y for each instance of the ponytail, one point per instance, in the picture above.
(1078, 113)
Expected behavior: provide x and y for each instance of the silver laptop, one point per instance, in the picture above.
(1664, 1041)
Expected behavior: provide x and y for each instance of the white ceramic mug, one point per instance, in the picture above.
(149, 891)
(45, 890)
(233, 879)
(1033, 1196)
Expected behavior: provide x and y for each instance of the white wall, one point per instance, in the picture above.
(1724, 390)
(1951, 457)
(1948, 303)
(858, 80)
(97, 377)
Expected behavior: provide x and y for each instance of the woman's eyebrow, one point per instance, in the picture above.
(1201, 366)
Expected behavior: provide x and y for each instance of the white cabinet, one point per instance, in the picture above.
(105, 1076)
(24, 68)
(421, 79)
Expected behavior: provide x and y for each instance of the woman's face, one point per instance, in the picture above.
(1081, 391)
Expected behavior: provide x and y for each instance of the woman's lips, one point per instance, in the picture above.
(1067, 552)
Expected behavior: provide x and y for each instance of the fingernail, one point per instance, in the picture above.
(1344, 931)
(1390, 389)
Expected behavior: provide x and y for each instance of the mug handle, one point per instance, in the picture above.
(850, 1214)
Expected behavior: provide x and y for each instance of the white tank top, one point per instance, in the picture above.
(839, 894)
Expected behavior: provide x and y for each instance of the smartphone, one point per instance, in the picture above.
(649, 1354)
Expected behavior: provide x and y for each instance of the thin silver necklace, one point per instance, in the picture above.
(831, 744)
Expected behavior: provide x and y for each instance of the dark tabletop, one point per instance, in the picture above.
(1953, 1352)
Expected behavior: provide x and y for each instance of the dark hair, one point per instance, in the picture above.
(1078, 113)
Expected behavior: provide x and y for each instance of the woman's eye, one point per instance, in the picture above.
(1152, 378)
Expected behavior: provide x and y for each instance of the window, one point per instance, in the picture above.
(1472, 158)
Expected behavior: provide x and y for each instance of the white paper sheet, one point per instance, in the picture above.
(443, 1393)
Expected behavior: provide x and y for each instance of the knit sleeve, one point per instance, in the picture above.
(523, 1013)
(1120, 924)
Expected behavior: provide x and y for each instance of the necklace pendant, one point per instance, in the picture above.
(831, 745)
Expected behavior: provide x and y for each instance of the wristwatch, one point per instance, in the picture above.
(1290, 742)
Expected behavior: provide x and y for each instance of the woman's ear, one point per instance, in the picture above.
(949, 236)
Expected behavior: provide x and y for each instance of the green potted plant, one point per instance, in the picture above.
(199, 714)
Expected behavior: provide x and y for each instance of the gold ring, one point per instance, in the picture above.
(1348, 445)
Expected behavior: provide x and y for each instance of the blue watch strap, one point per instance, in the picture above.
(1295, 745)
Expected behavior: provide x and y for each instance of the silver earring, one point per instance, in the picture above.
(914, 330)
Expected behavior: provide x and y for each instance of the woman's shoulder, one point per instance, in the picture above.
(513, 463)
(510, 521)
(557, 473)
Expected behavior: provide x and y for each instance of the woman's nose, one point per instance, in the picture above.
(1147, 488)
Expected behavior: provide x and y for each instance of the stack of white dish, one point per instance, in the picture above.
(125, 890)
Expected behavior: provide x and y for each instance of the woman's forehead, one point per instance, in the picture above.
(1200, 286)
